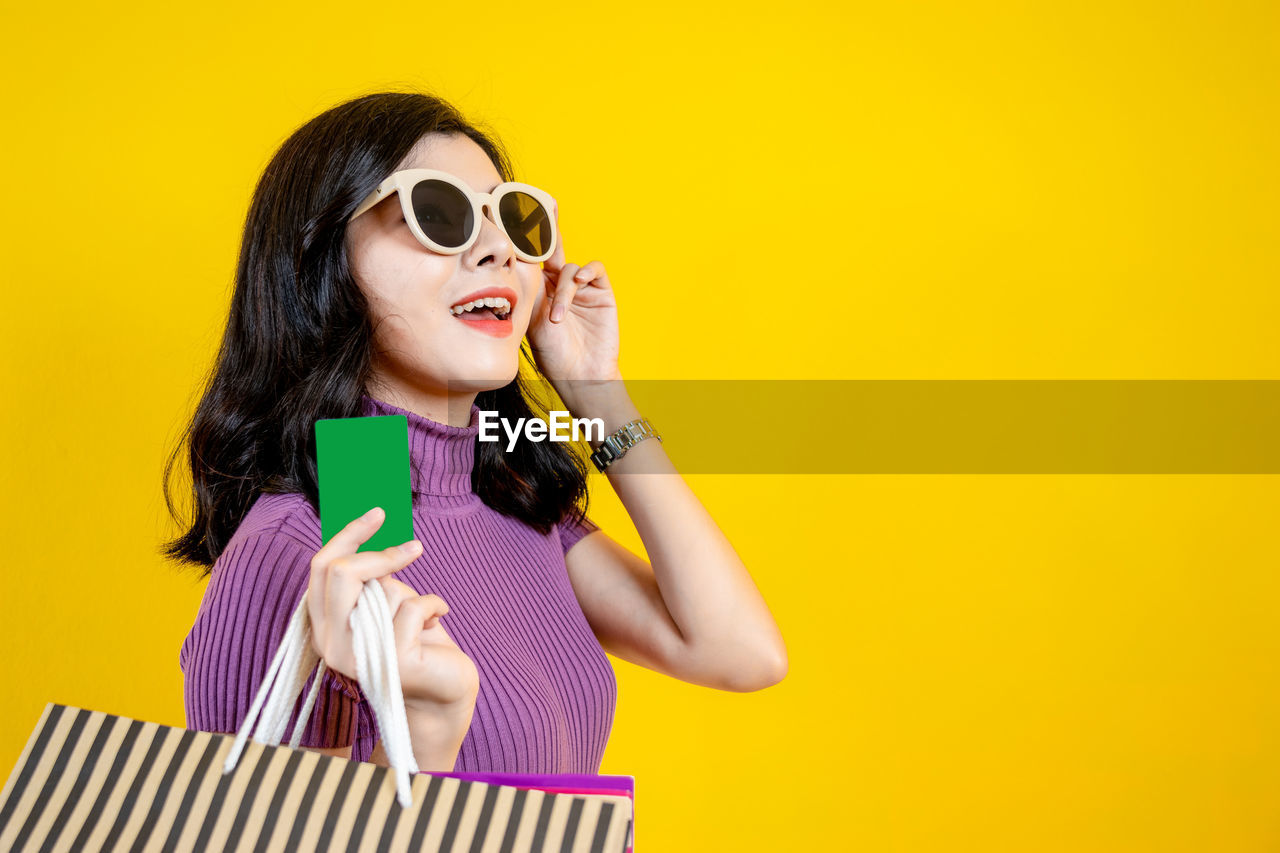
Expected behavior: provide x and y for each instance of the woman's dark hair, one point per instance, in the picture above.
(299, 338)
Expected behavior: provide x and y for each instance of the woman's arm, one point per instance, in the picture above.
(435, 743)
(436, 740)
(693, 613)
(437, 736)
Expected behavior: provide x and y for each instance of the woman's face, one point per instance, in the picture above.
(422, 349)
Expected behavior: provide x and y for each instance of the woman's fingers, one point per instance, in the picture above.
(399, 592)
(339, 572)
(593, 275)
(414, 616)
(341, 579)
(355, 534)
(347, 576)
(566, 287)
(396, 591)
(553, 268)
(346, 541)
(562, 280)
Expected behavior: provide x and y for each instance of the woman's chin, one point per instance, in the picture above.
(476, 381)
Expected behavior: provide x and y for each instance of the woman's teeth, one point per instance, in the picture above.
(500, 305)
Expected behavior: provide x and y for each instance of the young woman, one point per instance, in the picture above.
(391, 265)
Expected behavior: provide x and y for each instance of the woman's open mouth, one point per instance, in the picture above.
(490, 315)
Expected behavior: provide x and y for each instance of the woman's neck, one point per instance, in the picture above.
(439, 406)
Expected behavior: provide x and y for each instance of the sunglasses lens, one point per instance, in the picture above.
(443, 212)
(526, 222)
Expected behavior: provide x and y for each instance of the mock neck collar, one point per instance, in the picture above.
(441, 456)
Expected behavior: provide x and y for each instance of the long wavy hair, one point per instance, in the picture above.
(299, 337)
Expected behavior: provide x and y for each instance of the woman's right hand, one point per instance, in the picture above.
(435, 675)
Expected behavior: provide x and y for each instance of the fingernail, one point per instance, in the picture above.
(371, 513)
(556, 313)
(411, 547)
(581, 275)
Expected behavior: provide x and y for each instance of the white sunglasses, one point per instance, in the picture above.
(445, 215)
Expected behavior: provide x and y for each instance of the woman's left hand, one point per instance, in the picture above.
(581, 342)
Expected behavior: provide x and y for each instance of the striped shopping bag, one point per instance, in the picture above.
(88, 780)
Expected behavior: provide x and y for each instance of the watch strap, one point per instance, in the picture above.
(626, 437)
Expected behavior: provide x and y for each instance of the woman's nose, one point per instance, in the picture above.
(490, 213)
(493, 239)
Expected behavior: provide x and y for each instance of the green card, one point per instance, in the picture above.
(363, 463)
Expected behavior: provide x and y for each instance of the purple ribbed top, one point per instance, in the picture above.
(547, 689)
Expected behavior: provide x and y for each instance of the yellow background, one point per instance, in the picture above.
(979, 190)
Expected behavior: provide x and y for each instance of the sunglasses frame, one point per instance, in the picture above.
(404, 181)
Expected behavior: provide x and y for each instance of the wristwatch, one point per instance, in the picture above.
(628, 436)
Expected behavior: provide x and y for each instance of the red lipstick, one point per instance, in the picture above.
(483, 320)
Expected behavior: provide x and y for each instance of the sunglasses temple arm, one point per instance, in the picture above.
(365, 205)
(374, 197)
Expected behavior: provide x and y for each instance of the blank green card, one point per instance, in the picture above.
(363, 463)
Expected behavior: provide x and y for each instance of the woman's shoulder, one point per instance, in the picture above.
(572, 529)
(288, 516)
(267, 560)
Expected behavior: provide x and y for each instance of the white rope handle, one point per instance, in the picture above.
(377, 670)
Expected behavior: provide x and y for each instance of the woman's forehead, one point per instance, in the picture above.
(456, 154)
